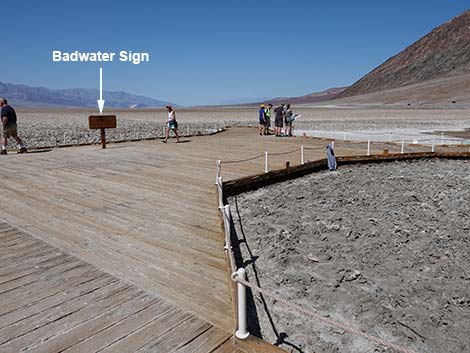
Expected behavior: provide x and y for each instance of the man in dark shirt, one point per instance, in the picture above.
(278, 119)
(8, 116)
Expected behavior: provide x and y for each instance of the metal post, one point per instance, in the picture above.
(433, 145)
(219, 170)
(266, 156)
(402, 146)
(242, 332)
(219, 191)
(228, 241)
(442, 138)
(302, 154)
(368, 147)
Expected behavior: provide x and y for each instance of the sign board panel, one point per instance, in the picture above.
(102, 121)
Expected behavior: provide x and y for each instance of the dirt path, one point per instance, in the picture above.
(384, 248)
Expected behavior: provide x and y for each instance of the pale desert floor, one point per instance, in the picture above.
(59, 127)
(382, 248)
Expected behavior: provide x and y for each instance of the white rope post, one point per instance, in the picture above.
(344, 136)
(390, 137)
(219, 191)
(228, 241)
(219, 170)
(402, 146)
(433, 145)
(442, 138)
(266, 156)
(242, 332)
(302, 154)
(368, 147)
(187, 130)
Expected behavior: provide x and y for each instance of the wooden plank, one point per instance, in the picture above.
(174, 339)
(205, 342)
(227, 347)
(25, 297)
(254, 345)
(156, 328)
(22, 319)
(70, 318)
(123, 327)
(75, 336)
(50, 280)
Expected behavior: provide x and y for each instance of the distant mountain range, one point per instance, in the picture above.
(310, 98)
(316, 97)
(435, 70)
(37, 97)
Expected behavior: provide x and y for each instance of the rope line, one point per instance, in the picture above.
(283, 153)
(314, 148)
(242, 160)
(329, 322)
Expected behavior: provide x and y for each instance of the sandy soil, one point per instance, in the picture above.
(58, 127)
(383, 248)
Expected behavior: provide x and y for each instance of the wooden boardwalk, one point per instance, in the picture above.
(126, 252)
(54, 302)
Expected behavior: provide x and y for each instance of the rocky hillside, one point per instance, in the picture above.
(34, 97)
(442, 53)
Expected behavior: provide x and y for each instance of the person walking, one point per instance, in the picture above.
(172, 124)
(8, 116)
(278, 119)
(262, 120)
(267, 114)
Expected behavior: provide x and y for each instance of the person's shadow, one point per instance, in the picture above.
(252, 314)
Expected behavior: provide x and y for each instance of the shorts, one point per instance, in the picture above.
(278, 123)
(262, 122)
(173, 125)
(10, 131)
(289, 123)
(268, 121)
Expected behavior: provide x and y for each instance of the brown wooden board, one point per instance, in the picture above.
(102, 121)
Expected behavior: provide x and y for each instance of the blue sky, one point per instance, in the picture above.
(205, 52)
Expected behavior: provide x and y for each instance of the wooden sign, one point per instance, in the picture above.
(102, 122)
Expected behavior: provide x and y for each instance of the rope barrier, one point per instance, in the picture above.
(329, 322)
(314, 148)
(283, 153)
(242, 160)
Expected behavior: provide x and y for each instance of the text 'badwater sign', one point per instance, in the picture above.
(123, 56)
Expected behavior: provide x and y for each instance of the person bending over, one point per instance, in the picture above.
(8, 116)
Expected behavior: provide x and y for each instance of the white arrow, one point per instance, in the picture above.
(101, 101)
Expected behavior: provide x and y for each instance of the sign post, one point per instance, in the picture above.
(102, 122)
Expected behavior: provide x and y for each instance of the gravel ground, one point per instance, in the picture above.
(63, 127)
(383, 248)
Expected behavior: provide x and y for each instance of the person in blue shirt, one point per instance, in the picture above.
(8, 116)
(262, 120)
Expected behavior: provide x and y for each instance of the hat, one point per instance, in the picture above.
(262, 106)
